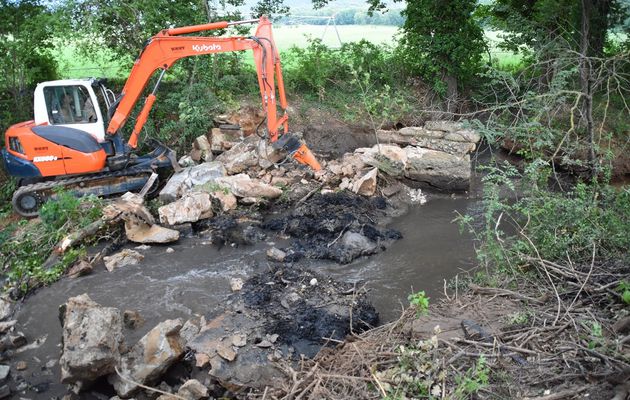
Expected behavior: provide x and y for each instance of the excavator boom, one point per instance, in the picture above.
(165, 48)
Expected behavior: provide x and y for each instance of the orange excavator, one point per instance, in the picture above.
(67, 144)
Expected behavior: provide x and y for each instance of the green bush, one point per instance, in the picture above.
(181, 114)
(25, 245)
(318, 68)
(561, 224)
(312, 68)
(552, 225)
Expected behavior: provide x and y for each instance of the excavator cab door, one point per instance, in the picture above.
(72, 104)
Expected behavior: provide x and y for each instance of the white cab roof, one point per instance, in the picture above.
(68, 82)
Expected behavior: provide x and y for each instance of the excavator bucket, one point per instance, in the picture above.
(304, 155)
(298, 150)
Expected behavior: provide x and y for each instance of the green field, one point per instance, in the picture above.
(502, 57)
(74, 65)
(297, 35)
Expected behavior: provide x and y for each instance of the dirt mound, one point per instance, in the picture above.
(321, 225)
(305, 309)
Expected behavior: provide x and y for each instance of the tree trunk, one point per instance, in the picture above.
(586, 82)
(598, 21)
(451, 93)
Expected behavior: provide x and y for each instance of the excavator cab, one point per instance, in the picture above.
(74, 103)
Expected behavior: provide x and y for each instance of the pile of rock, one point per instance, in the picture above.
(93, 347)
(437, 155)
(216, 141)
(231, 130)
(279, 314)
(248, 170)
(11, 341)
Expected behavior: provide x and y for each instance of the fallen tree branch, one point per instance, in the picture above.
(501, 346)
(502, 292)
(72, 239)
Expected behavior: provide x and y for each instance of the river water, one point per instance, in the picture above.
(194, 279)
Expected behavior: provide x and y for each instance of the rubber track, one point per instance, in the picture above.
(49, 185)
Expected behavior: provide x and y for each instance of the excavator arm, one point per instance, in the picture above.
(165, 48)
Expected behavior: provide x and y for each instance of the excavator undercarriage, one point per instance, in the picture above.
(28, 198)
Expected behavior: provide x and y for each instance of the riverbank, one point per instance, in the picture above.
(523, 337)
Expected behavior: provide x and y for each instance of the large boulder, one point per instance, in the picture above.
(241, 156)
(242, 185)
(187, 178)
(451, 137)
(92, 340)
(388, 158)
(353, 245)
(366, 184)
(190, 208)
(252, 369)
(235, 361)
(145, 233)
(444, 126)
(393, 152)
(122, 258)
(447, 145)
(129, 207)
(438, 169)
(149, 358)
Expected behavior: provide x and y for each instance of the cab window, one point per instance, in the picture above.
(69, 105)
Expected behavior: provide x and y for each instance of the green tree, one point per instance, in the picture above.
(443, 43)
(532, 25)
(125, 25)
(25, 41)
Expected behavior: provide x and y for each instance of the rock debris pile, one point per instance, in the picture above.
(274, 317)
(238, 167)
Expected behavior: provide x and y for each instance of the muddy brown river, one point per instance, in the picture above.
(194, 279)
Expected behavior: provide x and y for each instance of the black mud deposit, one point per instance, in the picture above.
(337, 226)
(305, 310)
(226, 229)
